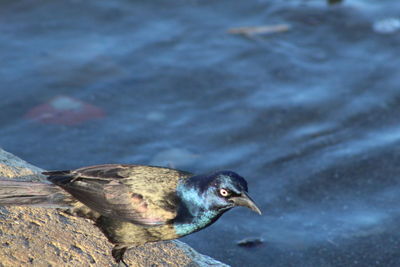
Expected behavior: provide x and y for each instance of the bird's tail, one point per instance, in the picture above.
(23, 193)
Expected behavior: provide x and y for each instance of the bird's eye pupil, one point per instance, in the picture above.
(224, 192)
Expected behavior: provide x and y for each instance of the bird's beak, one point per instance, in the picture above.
(245, 201)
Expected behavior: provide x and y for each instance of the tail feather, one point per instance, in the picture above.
(17, 193)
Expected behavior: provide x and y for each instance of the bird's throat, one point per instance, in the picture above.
(196, 223)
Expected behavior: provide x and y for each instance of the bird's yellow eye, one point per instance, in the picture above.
(223, 192)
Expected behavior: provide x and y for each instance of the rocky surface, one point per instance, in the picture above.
(48, 237)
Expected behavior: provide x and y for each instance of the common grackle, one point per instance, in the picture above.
(135, 204)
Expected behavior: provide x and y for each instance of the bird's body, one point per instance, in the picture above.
(135, 204)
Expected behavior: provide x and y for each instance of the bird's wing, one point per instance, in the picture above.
(144, 195)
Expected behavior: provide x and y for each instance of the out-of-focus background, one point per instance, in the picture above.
(304, 102)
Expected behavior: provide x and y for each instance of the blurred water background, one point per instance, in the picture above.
(310, 116)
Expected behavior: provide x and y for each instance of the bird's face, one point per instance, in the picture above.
(227, 190)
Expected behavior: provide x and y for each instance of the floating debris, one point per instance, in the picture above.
(333, 2)
(64, 110)
(250, 242)
(260, 30)
(387, 25)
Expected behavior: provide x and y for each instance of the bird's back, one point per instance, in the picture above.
(144, 195)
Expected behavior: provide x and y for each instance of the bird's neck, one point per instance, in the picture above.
(194, 211)
(195, 223)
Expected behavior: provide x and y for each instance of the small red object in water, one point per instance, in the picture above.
(64, 110)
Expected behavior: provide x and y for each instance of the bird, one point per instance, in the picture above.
(135, 204)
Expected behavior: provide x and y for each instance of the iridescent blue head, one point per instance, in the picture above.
(224, 190)
(209, 196)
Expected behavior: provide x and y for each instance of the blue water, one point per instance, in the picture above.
(309, 116)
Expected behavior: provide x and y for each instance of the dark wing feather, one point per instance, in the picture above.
(140, 194)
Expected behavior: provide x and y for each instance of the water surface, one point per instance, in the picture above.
(310, 116)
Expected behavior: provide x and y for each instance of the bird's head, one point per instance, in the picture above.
(221, 191)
